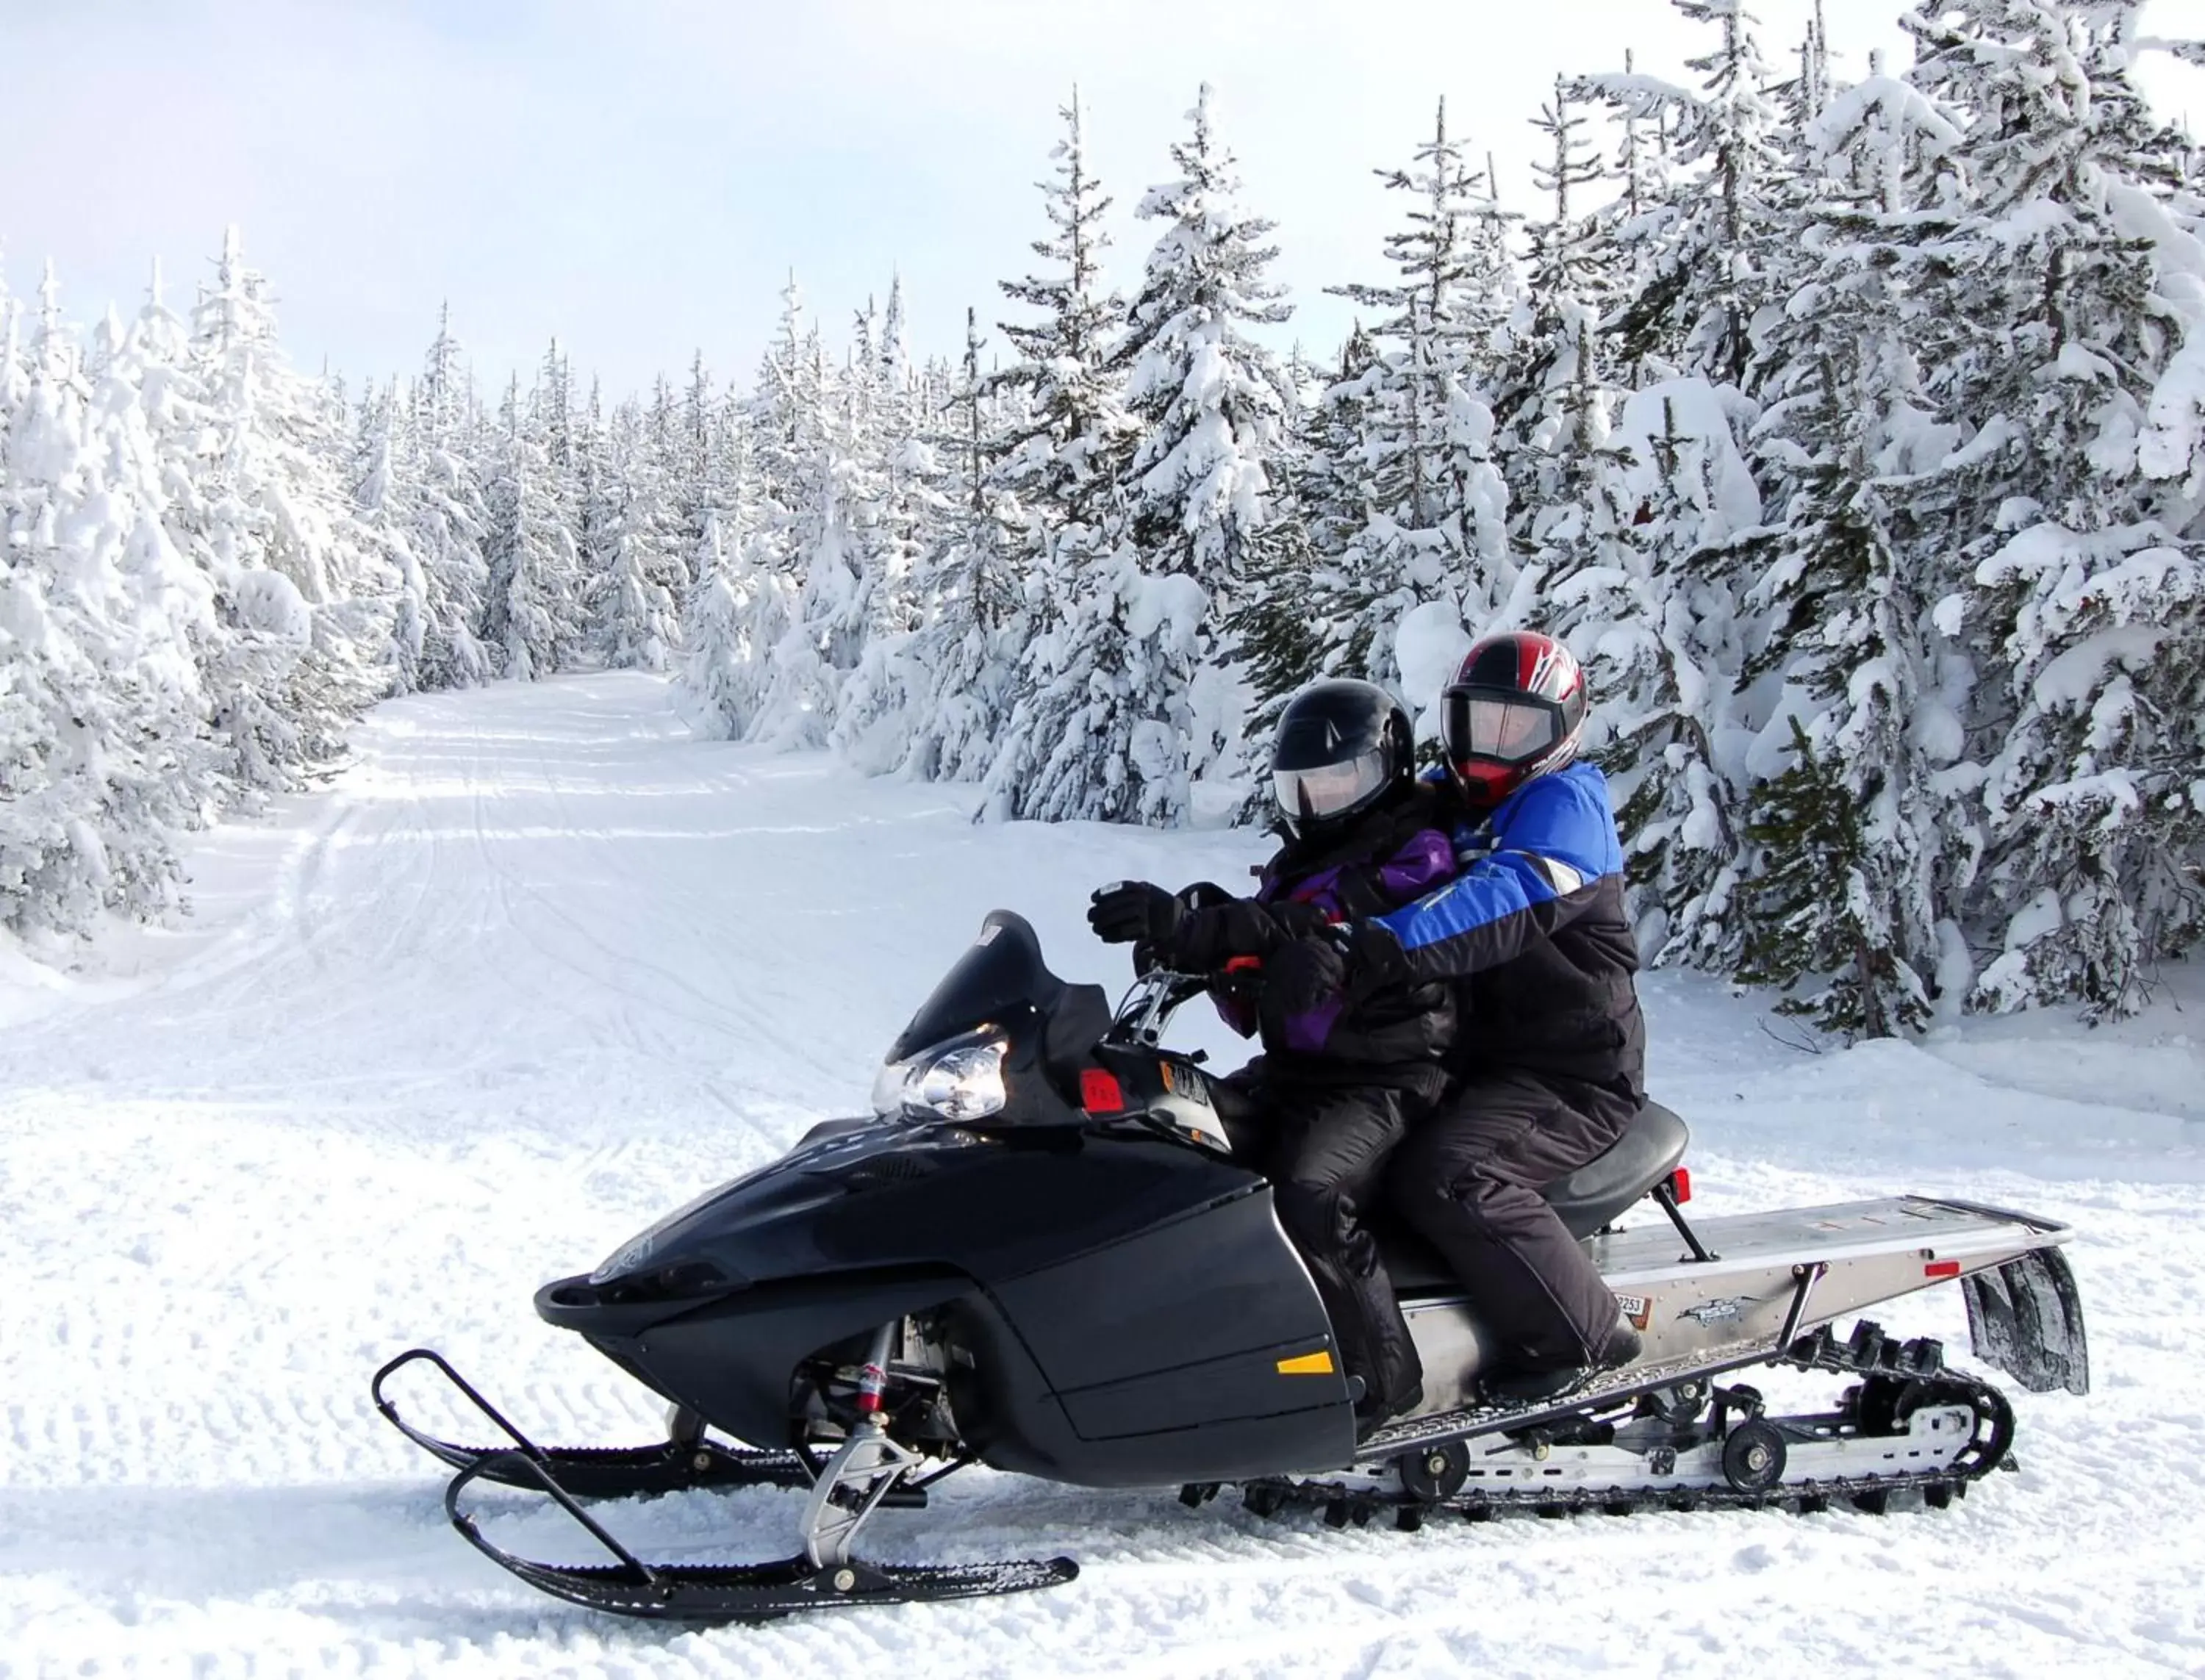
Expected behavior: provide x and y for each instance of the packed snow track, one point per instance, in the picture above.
(539, 966)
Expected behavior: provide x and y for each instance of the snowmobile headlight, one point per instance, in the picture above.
(962, 1080)
(888, 1088)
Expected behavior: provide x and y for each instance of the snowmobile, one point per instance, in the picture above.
(1039, 1254)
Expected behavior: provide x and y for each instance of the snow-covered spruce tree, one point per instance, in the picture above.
(1858, 821)
(99, 760)
(1052, 483)
(713, 691)
(692, 468)
(965, 656)
(171, 621)
(450, 518)
(821, 496)
(1211, 403)
(1652, 609)
(1815, 917)
(532, 615)
(383, 498)
(777, 433)
(1552, 399)
(1854, 833)
(2061, 302)
(635, 596)
(304, 593)
(909, 474)
(891, 487)
(552, 413)
(1062, 460)
(1124, 720)
(597, 512)
(1711, 235)
(879, 710)
(1435, 509)
(1276, 636)
(15, 377)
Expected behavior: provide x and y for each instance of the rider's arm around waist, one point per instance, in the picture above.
(1553, 844)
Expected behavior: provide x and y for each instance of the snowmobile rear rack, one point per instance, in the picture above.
(686, 1461)
(723, 1591)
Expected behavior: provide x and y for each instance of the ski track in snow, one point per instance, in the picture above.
(537, 966)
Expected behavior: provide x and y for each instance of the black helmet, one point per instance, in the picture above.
(1342, 746)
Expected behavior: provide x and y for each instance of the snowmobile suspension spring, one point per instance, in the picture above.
(873, 1376)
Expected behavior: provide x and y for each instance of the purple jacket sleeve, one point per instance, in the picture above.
(1426, 862)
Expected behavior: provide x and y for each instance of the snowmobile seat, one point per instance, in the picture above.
(1647, 1152)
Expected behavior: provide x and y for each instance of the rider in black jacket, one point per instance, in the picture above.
(1340, 1080)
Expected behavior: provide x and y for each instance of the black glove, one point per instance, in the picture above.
(1133, 912)
(1373, 957)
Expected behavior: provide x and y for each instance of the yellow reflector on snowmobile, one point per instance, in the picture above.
(1318, 1364)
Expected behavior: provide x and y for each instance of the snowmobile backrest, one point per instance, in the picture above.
(1647, 1152)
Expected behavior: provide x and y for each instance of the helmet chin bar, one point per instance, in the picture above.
(1487, 782)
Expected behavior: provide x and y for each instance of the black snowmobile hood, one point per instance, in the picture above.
(888, 1194)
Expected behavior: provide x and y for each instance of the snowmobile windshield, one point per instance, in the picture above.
(999, 970)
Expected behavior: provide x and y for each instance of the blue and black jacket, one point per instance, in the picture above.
(1533, 934)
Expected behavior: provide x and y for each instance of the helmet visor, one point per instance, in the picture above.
(1505, 729)
(1327, 790)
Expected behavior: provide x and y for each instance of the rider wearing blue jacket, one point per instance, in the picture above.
(1550, 1051)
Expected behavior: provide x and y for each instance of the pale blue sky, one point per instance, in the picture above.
(639, 177)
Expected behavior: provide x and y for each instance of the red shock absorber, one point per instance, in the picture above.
(873, 1374)
(872, 1383)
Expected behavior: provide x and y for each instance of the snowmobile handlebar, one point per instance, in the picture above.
(1152, 999)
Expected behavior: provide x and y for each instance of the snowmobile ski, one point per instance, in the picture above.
(724, 1592)
(686, 1460)
(865, 1472)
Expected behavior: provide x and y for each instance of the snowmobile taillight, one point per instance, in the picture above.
(1100, 1093)
(1680, 1185)
(1941, 1268)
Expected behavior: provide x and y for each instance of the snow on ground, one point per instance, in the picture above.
(539, 966)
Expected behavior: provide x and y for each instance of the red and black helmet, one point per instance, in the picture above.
(1516, 709)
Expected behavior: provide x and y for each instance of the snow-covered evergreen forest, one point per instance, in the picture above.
(1851, 431)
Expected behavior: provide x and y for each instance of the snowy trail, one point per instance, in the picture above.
(539, 966)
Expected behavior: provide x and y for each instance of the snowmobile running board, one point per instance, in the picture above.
(1911, 1429)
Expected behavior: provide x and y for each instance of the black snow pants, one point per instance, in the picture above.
(1325, 1149)
(1468, 1180)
